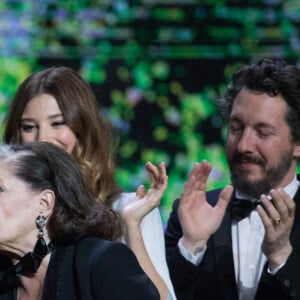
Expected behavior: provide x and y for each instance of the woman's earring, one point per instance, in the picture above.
(41, 248)
(40, 222)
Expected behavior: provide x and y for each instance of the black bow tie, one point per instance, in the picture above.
(241, 208)
(29, 263)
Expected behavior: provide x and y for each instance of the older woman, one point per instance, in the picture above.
(54, 235)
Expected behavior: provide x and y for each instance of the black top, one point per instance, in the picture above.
(93, 269)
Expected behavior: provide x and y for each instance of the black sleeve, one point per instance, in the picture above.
(182, 272)
(114, 273)
(283, 285)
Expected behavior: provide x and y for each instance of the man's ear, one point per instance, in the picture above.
(47, 201)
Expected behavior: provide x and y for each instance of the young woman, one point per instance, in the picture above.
(53, 233)
(57, 106)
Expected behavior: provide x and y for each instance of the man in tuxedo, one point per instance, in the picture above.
(243, 242)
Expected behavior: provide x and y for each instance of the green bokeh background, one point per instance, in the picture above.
(156, 67)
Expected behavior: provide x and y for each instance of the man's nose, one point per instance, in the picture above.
(246, 141)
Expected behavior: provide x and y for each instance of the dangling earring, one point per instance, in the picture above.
(40, 222)
(30, 262)
(41, 246)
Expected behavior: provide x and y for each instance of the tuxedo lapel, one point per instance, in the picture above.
(296, 227)
(224, 259)
(222, 241)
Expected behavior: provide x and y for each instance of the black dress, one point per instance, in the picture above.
(94, 269)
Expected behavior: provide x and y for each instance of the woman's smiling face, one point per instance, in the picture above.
(42, 120)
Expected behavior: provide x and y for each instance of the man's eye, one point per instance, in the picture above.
(235, 128)
(28, 127)
(264, 134)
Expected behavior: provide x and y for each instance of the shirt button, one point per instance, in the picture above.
(286, 283)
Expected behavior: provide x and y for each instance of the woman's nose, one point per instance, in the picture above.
(43, 136)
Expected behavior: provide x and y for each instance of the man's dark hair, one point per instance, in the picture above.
(273, 77)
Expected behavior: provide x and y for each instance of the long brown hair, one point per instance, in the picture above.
(96, 141)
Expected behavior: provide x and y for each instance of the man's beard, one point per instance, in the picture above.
(270, 180)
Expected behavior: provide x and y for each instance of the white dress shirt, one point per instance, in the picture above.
(247, 236)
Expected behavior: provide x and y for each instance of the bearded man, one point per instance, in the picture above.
(243, 242)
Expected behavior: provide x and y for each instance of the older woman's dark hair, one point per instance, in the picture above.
(274, 77)
(76, 214)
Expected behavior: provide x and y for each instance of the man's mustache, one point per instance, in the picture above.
(246, 158)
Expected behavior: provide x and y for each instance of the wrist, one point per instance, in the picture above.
(132, 224)
(193, 246)
(130, 220)
(276, 260)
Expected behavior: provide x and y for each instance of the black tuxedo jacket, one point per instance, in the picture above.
(94, 269)
(214, 278)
